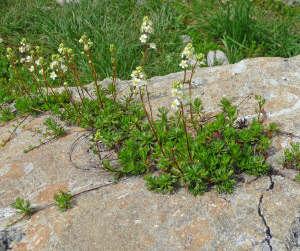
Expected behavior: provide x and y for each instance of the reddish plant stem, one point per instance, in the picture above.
(183, 181)
(190, 90)
(81, 85)
(172, 150)
(10, 136)
(72, 70)
(62, 82)
(95, 76)
(48, 86)
(35, 147)
(186, 135)
(141, 96)
(7, 123)
(99, 155)
(181, 154)
(146, 50)
(36, 82)
(43, 112)
(115, 78)
(12, 62)
(149, 103)
(73, 102)
(18, 220)
(98, 150)
(19, 83)
(184, 76)
(146, 86)
(131, 96)
(45, 78)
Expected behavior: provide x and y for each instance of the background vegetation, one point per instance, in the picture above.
(241, 29)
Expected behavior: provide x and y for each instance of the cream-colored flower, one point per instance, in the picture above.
(29, 59)
(22, 49)
(143, 38)
(183, 64)
(64, 68)
(53, 75)
(153, 46)
(136, 82)
(175, 104)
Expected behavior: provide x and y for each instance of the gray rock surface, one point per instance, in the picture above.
(7, 237)
(186, 39)
(261, 214)
(62, 2)
(216, 58)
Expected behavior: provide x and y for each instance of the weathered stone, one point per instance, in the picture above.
(216, 58)
(62, 2)
(261, 214)
(186, 39)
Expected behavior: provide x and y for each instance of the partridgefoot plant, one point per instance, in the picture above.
(23, 207)
(179, 148)
(53, 131)
(291, 158)
(63, 200)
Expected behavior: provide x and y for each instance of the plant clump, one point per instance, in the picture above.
(182, 148)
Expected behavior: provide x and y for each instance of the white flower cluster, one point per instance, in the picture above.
(147, 28)
(179, 93)
(200, 58)
(57, 63)
(97, 138)
(138, 77)
(187, 55)
(65, 50)
(147, 25)
(9, 52)
(24, 46)
(87, 43)
(188, 51)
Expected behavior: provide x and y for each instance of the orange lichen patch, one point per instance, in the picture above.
(282, 143)
(4, 137)
(68, 138)
(36, 121)
(48, 192)
(218, 207)
(77, 129)
(20, 246)
(224, 73)
(60, 222)
(266, 65)
(10, 195)
(123, 204)
(37, 235)
(200, 232)
(14, 172)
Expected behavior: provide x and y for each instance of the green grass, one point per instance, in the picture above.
(241, 29)
(244, 28)
(46, 23)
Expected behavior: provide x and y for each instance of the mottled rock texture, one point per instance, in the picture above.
(261, 214)
(216, 58)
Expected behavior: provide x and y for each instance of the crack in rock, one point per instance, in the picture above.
(268, 231)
